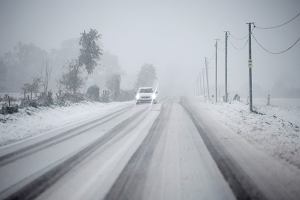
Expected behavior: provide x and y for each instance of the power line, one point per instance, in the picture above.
(239, 48)
(238, 38)
(279, 25)
(272, 52)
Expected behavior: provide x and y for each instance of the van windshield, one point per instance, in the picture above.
(146, 90)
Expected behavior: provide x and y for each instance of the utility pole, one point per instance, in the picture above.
(250, 68)
(200, 84)
(203, 82)
(216, 75)
(206, 69)
(195, 88)
(226, 93)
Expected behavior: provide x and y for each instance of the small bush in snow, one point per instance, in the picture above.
(93, 93)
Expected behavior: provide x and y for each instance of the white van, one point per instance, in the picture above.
(146, 95)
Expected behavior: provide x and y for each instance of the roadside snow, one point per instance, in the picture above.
(276, 130)
(33, 121)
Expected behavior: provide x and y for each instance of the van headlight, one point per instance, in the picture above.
(137, 96)
(153, 96)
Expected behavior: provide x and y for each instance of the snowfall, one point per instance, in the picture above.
(274, 130)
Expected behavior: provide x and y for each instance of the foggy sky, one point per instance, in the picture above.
(175, 36)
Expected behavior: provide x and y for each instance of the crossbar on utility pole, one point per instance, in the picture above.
(216, 75)
(226, 92)
(250, 68)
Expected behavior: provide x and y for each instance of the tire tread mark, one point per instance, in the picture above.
(134, 173)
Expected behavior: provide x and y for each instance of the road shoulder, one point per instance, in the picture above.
(260, 174)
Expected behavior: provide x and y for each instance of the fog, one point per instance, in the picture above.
(174, 36)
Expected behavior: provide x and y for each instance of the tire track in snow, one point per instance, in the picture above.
(48, 178)
(134, 172)
(73, 132)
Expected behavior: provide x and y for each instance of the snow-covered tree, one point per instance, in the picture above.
(93, 93)
(90, 51)
(89, 55)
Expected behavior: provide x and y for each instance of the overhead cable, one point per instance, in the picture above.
(272, 52)
(239, 48)
(279, 25)
(238, 38)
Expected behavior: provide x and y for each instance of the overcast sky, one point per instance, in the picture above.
(175, 35)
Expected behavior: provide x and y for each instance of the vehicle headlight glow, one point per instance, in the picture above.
(153, 96)
(137, 96)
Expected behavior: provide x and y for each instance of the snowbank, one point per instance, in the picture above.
(33, 121)
(276, 130)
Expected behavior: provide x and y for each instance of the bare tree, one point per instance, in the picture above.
(32, 88)
(26, 89)
(46, 77)
(35, 87)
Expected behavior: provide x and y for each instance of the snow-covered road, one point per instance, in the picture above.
(173, 150)
(172, 163)
(35, 158)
